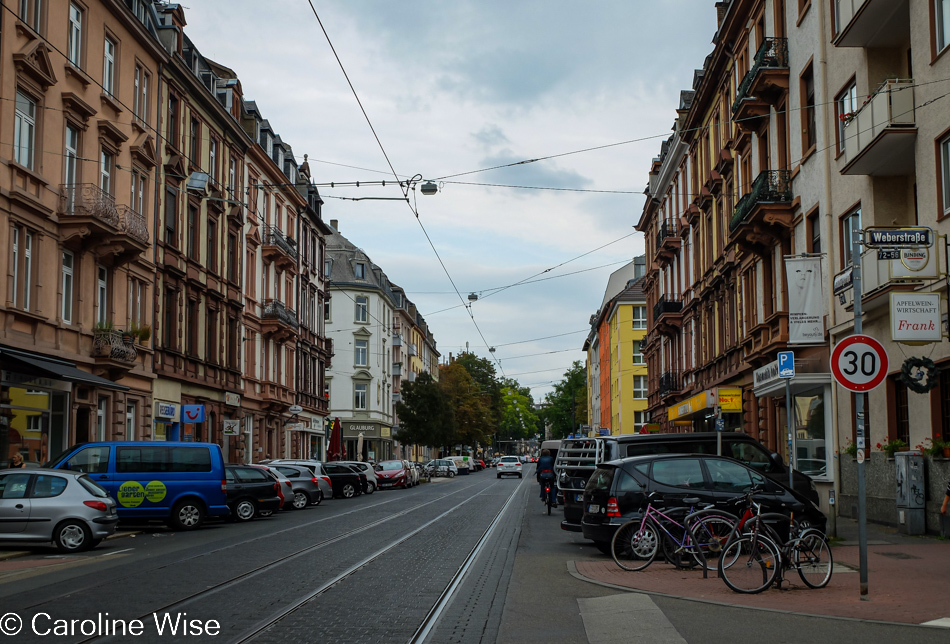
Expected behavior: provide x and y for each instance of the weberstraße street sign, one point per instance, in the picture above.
(910, 236)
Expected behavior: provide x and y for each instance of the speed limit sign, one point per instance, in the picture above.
(859, 363)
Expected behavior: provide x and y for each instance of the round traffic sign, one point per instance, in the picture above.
(859, 363)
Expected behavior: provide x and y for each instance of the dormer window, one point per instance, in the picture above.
(360, 271)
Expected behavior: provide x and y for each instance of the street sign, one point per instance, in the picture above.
(859, 363)
(786, 364)
(911, 236)
(295, 409)
(720, 424)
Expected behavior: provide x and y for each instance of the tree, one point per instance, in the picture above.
(566, 407)
(425, 414)
(470, 406)
(482, 371)
(518, 419)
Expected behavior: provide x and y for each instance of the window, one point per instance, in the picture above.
(679, 472)
(140, 83)
(172, 132)
(213, 159)
(637, 353)
(108, 67)
(728, 476)
(211, 342)
(195, 149)
(943, 163)
(30, 13)
(809, 130)
(813, 230)
(233, 258)
(846, 105)
(139, 191)
(101, 419)
(102, 296)
(212, 256)
(75, 35)
(849, 223)
(362, 305)
(359, 358)
(130, 409)
(232, 176)
(170, 316)
(105, 171)
(639, 387)
(171, 216)
(359, 397)
(360, 271)
(942, 23)
(326, 310)
(326, 268)
(639, 420)
(24, 130)
(639, 317)
(137, 295)
(70, 156)
(192, 231)
(22, 268)
(67, 303)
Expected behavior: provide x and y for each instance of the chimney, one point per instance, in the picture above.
(722, 8)
(335, 224)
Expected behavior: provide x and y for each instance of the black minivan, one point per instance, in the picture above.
(578, 458)
(617, 491)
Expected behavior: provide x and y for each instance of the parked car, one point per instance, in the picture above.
(182, 483)
(393, 474)
(346, 481)
(441, 467)
(617, 490)
(579, 457)
(368, 470)
(286, 490)
(412, 472)
(509, 465)
(315, 467)
(66, 509)
(463, 463)
(251, 491)
(306, 486)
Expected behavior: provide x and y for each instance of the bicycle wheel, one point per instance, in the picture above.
(635, 545)
(710, 534)
(679, 555)
(812, 557)
(749, 564)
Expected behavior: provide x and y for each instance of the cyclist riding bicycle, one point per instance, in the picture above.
(545, 472)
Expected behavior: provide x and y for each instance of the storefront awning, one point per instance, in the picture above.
(16, 360)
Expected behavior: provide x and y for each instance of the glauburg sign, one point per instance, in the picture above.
(915, 317)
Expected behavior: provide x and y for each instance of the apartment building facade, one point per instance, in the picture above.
(80, 152)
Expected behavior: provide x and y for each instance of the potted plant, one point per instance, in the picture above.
(851, 449)
(891, 446)
(102, 328)
(143, 333)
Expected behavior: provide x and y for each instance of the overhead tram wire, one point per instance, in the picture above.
(408, 187)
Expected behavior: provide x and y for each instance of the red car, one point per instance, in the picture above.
(392, 474)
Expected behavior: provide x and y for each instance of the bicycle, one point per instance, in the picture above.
(754, 558)
(697, 540)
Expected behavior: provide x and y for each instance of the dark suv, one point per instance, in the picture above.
(579, 457)
(251, 491)
(617, 490)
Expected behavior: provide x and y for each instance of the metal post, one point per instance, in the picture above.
(788, 421)
(859, 421)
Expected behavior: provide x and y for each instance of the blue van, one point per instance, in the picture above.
(181, 482)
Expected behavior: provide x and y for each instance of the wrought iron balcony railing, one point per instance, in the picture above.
(771, 186)
(666, 305)
(669, 382)
(273, 236)
(772, 54)
(110, 343)
(667, 229)
(275, 310)
(88, 200)
(132, 223)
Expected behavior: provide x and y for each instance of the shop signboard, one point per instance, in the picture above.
(193, 413)
(231, 427)
(915, 318)
(166, 411)
(232, 400)
(730, 400)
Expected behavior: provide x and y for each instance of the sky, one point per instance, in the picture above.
(451, 89)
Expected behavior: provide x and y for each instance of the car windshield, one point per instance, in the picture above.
(389, 466)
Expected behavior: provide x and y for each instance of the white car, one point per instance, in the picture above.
(412, 473)
(366, 468)
(509, 465)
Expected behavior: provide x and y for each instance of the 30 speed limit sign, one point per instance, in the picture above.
(859, 363)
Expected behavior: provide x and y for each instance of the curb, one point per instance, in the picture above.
(13, 554)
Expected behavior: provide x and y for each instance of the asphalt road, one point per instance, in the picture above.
(471, 559)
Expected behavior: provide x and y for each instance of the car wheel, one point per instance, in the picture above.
(451, 474)
(245, 510)
(519, 475)
(187, 515)
(72, 536)
(301, 500)
(349, 491)
(318, 500)
(370, 488)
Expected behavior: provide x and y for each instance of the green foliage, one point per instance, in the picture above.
(518, 418)
(566, 408)
(425, 414)
(482, 371)
(471, 407)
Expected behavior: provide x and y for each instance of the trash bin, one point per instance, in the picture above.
(911, 492)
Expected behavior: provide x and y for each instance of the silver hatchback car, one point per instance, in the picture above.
(64, 508)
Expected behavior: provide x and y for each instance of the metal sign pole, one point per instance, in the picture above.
(788, 416)
(859, 422)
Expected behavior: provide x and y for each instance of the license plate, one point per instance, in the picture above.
(593, 508)
(579, 498)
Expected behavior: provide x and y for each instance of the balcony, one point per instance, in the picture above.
(412, 376)
(671, 382)
(412, 350)
(872, 23)
(397, 397)
(397, 369)
(276, 397)
(765, 338)
(91, 215)
(397, 340)
(114, 352)
(279, 249)
(763, 84)
(667, 242)
(766, 211)
(667, 314)
(278, 323)
(879, 139)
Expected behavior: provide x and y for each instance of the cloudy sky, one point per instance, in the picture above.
(453, 88)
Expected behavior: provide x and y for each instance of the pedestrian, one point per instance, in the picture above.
(946, 500)
(16, 461)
